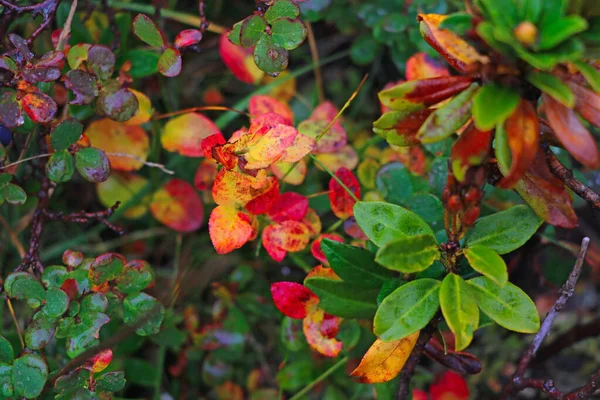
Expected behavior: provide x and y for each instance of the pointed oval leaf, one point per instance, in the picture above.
(145, 29)
(488, 263)
(343, 299)
(552, 86)
(493, 104)
(459, 309)
(400, 127)
(409, 254)
(342, 202)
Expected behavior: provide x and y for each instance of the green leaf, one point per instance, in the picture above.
(591, 74)
(65, 134)
(508, 305)
(145, 29)
(268, 57)
(384, 222)
(78, 54)
(504, 231)
(553, 86)
(7, 354)
(487, 262)
(460, 309)
(493, 104)
(84, 334)
(295, 375)
(282, 9)
(92, 164)
(364, 50)
(343, 299)
(458, 23)
(387, 288)
(29, 374)
(447, 119)
(428, 207)
(23, 286)
(169, 63)
(13, 194)
(60, 168)
(138, 306)
(409, 254)
(105, 268)
(135, 277)
(355, 265)
(251, 30)
(234, 34)
(57, 303)
(554, 32)
(94, 303)
(288, 33)
(40, 331)
(74, 379)
(111, 381)
(54, 276)
(407, 310)
(6, 383)
(291, 334)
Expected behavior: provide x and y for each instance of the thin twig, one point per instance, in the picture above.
(566, 176)
(146, 163)
(314, 52)
(13, 237)
(576, 334)
(64, 34)
(14, 318)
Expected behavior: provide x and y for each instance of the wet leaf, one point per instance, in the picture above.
(40, 331)
(111, 381)
(106, 267)
(178, 206)
(57, 303)
(23, 286)
(229, 229)
(39, 107)
(282, 9)
(84, 334)
(288, 33)
(184, 134)
(119, 104)
(10, 112)
(144, 112)
(29, 375)
(384, 360)
(145, 29)
(83, 85)
(169, 63)
(65, 134)
(136, 276)
(293, 299)
(269, 57)
(141, 305)
(92, 164)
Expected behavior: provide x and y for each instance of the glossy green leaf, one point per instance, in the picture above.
(7, 354)
(355, 265)
(57, 303)
(29, 374)
(504, 231)
(493, 104)
(288, 33)
(23, 286)
(135, 277)
(508, 305)
(459, 309)
(343, 299)
(458, 23)
(553, 86)
(487, 262)
(407, 310)
(269, 57)
(428, 207)
(554, 32)
(447, 119)
(105, 268)
(234, 34)
(138, 306)
(252, 29)
(409, 254)
(111, 381)
(94, 303)
(65, 134)
(40, 331)
(60, 167)
(384, 222)
(282, 9)
(85, 333)
(145, 29)
(395, 183)
(6, 383)
(13, 194)
(92, 164)
(54, 275)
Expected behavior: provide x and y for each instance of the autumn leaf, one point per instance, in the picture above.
(293, 299)
(471, 149)
(312, 222)
(315, 247)
(270, 147)
(39, 107)
(184, 134)
(237, 189)
(260, 105)
(384, 360)
(99, 362)
(178, 206)
(320, 329)
(290, 236)
(117, 137)
(265, 197)
(422, 66)
(240, 61)
(459, 54)
(205, 174)
(123, 187)
(144, 112)
(587, 103)
(449, 385)
(345, 157)
(289, 206)
(229, 229)
(297, 175)
(342, 202)
(400, 128)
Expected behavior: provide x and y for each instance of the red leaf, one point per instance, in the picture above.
(318, 336)
(260, 105)
(571, 132)
(69, 286)
(290, 236)
(342, 202)
(422, 66)
(293, 299)
(187, 38)
(289, 206)
(205, 174)
(240, 61)
(39, 107)
(263, 203)
(449, 385)
(471, 149)
(400, 128)
(315, 248)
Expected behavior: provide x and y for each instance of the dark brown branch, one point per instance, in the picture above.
(566, 176)
(585, 391)
(518, 382)
(415, 356)
(576, 334)
(83, 217)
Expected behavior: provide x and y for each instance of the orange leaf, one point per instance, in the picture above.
(570, 131)
(471, 148)
(184, 134)
(320, 329)
(459, 54)
(240, 61)
(270, 147)
(293, 299)
(422, 66)
(300, 147)
(229, 391)
(315, 247)
(100, 361)
(233, 188)
(205, 174)
(322, 272)
(178, 206)
(117, 137)
(229, 229)
(260, 105)
(384, 360)
(342, 202)
(290, 236)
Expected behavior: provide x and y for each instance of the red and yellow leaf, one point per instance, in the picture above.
(144, 112)
(39, 107)
(229, 229)
(400, 127)
(315, 247)
(322, 272)
(290, 236)
(117, 137)
(123, 187)
(289, 206)
(422, 66)
(236, 189)
(260, 105)
(293, 299)
(345, 157)
(240, 61)
(570, 131)
(384, 360)
(320, 329)
(205, 174)
(312, 222)
(471, 149)
(99, 362)
(178, 206)
(270, 147)
(342, 202)
(300, 147)
(282, 171)
(184, 134)
(459, 54)
(269, 193)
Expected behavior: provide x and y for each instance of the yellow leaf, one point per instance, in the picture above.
(384, 360)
